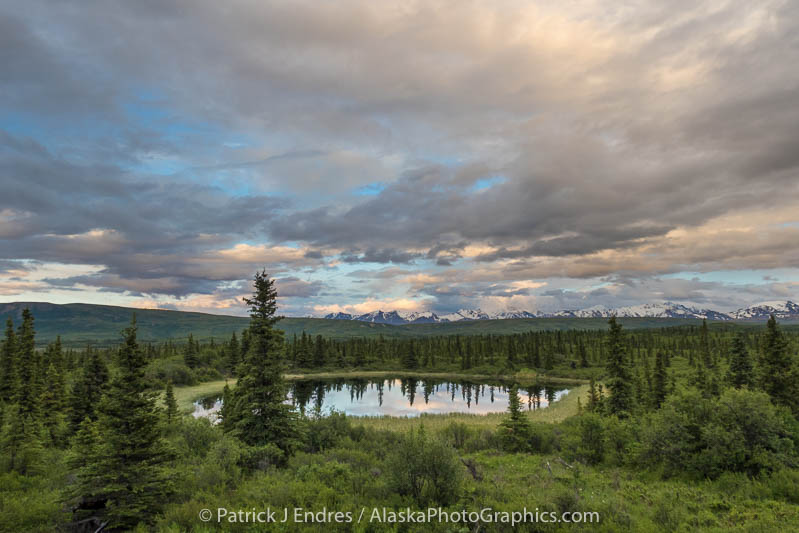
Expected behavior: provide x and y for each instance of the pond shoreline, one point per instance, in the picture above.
(187, 395)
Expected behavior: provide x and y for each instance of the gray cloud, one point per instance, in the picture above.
(602, 130)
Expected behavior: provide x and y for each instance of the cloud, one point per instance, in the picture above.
(514, 142)
(367, 306)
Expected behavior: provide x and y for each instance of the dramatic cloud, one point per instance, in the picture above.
(410, 155)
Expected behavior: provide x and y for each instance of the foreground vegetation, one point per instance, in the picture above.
(678, 429)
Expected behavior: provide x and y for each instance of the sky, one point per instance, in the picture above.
(429, 155)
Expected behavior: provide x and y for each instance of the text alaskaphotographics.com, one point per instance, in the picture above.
(384, 515)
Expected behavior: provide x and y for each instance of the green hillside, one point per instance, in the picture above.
(79, 324)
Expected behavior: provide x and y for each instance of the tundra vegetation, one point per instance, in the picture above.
(674, 429)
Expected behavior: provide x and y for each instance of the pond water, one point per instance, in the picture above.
(404, 397)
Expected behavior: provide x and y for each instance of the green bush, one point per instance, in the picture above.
(784, 485)
(161, 371)
(483, 439)
(325, 432)
(742, 431)
(591, 446)
(195, 436)
(426, 469)
(457, 434)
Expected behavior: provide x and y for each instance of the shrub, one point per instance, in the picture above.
(591, 446)
(483, 439)
(742, 431)
(196, 435)
(325, 432)
(161, 371)
(426, 469)
(457, 434)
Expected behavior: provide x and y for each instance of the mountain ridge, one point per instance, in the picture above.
(759, 311)
(81, 324)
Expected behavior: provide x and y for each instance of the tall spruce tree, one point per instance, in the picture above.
(233, 353)
(619, 381)
(87, 390)
(593, 396)
(22, 431)
(8, 365)
(741, 372)
(319, 352)
(170, 404)
(257, 413)
(514, 430)
(124, 481)
(28, 387)
(21, 442)
(583, 355)
(409, 359)
(779, 375)
(659, 380)
(190, 356)
(52, 406)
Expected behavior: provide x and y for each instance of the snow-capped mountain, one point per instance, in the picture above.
(664, 310)
(424, 317)
(761, 311)
(465, 314)
(504, 315)
(339, 316)
(379, 317)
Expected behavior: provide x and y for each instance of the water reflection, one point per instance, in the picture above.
(403, 397)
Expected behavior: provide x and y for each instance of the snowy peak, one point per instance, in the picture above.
(667, 310)
(761, 311)
(379, 317)
(339, 316)
(425, 317)
(505, 315)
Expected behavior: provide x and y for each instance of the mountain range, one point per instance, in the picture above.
(761, 311)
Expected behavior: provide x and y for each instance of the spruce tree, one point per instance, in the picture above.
(704, 345)
(8, 365)
(549, 360)
(257, 413)
(226, 401)
(28, 387)
(779, 376)
(190, 356)
(741, 371)
(409, 359)
(124, 481)
(514, 430)
(593, 396)
(319, 352)
(22, 442)
(170, 404)
(88, 390)
(52, 406)
(583, 355)
(233, 353)
(619, 381)
(304, 352)
(659, 381)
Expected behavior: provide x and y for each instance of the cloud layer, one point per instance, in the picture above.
(410, 155)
